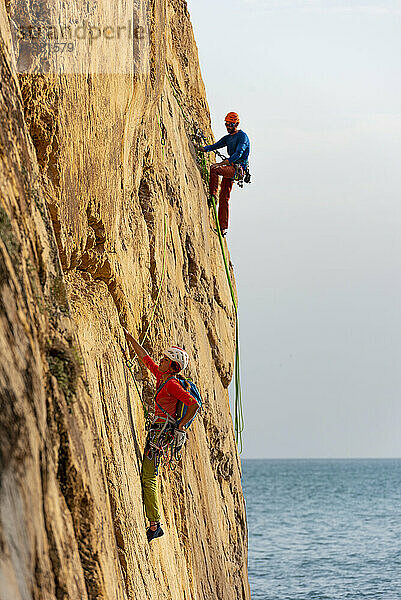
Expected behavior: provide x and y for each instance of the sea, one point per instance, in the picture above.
(324, 529)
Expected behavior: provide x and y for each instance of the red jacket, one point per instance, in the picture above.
(170, 393)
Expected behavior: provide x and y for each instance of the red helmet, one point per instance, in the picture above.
(232, 117)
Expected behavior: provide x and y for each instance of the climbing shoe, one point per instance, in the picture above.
(151, 535)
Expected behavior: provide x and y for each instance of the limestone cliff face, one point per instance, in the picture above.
(93, 166)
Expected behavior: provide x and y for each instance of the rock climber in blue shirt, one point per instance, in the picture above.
(237, 143)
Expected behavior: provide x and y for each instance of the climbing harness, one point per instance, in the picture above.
(239, 173)
(164, 445)
(165, 441)
(160, 446)
(242, 174)
(247, 176)
(197, 137)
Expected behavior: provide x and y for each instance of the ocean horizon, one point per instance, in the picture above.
(323, 528)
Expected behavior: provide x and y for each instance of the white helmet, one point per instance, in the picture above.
(178, 355)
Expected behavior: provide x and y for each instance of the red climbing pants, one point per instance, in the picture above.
(228, 172)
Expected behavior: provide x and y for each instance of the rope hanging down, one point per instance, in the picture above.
(238, 412)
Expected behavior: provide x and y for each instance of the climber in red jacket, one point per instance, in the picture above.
(173, 361)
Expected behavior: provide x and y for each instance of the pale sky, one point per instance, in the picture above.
(315, 239)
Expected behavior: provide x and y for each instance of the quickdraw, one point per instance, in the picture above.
(198, 136)
(161, 446)
(163, 130)
(239, 174)
(163, 134)
(242, 175)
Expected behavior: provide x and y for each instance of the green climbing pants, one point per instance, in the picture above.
(149, 489)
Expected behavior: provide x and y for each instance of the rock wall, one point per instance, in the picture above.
(95, 168)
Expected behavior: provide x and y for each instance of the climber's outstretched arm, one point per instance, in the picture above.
(133, 345)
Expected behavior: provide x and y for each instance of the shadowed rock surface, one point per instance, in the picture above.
(86, 186)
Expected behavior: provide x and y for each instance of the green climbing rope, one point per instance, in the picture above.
(238, 412)
(203, 165)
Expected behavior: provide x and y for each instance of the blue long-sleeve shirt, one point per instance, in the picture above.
(238, 147)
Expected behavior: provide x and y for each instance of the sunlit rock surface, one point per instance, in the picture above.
(94, 167)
